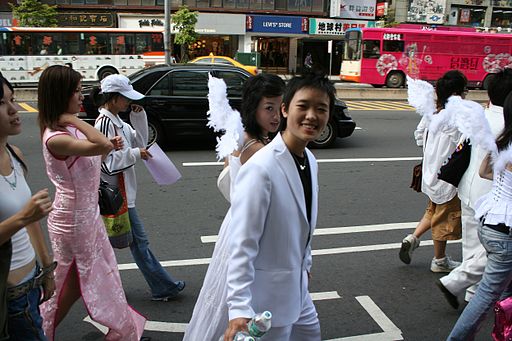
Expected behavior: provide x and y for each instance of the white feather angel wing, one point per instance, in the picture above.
(421, 96)
(221, 117)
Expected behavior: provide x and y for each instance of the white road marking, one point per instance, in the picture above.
(322, 296)
(342, 230)
(376, 159)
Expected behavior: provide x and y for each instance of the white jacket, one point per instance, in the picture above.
(123, 160)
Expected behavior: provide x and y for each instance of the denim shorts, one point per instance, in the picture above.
(25, 322)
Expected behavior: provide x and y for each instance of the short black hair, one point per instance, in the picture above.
(255, 88)
(500, 85)
(313, 80)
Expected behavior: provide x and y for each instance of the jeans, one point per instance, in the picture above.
(496, 282)
(25, 322)
(159, 280)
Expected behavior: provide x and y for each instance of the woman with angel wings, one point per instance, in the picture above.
(261, 102)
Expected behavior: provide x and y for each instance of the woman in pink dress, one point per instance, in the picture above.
(87, 265)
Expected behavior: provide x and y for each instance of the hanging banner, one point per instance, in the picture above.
(353, 9)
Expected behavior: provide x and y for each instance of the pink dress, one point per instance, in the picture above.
(78, 238)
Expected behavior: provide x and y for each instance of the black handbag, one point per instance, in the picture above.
(454, 168)
(110, 198)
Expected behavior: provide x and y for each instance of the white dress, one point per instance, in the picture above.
(496, 206)
(210, 317)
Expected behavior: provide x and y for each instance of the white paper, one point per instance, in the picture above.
(161, 167)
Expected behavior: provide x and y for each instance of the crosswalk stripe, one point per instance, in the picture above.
(378, 105)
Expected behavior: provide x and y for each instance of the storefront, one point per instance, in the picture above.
(276, 39)
(217, 33)
(468, 13)
(502, 16)
(6, 19)
(324, 45)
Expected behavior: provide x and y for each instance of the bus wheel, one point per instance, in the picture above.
(395, 80)
(326, 138)
(106, 71)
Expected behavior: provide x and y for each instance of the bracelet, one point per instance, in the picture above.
(48, 269)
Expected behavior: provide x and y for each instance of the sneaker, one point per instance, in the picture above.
(451, 298)
(445, 264)
(180, 285)
(409, 244)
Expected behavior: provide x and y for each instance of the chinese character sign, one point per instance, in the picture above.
(426, 11)
(353, 9)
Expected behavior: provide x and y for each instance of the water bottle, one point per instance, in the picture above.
(240, 336)
(260, 324)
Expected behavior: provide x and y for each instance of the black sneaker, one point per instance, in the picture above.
(451, 298)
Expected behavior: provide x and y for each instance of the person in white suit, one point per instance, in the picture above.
(270, 261)
(474, 257)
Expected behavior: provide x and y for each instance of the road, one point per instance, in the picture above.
(361, 290)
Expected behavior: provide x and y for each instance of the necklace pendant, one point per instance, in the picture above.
(302, 167)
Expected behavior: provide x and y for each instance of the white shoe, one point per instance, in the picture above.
(409, 244)
(445, 264)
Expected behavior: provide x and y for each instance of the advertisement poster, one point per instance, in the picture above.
(426, 11)
(353, 9)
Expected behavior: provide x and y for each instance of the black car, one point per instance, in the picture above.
(176, 102)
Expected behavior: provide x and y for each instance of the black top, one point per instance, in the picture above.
(302, 164)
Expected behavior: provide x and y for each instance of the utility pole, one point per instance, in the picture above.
(167, 33)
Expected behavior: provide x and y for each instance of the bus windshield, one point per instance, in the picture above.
(352, 46)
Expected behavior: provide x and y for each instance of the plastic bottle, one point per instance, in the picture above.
(257, 327)
(240, 336)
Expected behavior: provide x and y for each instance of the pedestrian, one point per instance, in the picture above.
(465, 277)
(270, 259)
(23, 286)
(261, 106)
(442, 214)
(87, 266)
(494, 212)
(114, 97)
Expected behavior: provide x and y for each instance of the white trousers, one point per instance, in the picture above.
(474, 257)
(306, 328)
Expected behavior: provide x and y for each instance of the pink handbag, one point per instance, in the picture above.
(503, 320)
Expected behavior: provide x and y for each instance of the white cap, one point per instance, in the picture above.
(120, 84)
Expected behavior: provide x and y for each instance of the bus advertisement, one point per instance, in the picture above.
(384, 56)
(94, 52)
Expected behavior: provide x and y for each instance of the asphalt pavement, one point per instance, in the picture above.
(361, 289)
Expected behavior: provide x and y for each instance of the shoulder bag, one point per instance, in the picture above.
(454, 168)
(503, 320)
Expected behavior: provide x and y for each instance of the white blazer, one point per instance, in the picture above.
(271, 236)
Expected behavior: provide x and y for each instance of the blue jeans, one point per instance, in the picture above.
(496, 282)
(159, 280)
(25, 322)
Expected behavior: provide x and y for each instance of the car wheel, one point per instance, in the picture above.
(155, 133)
(395, 80)
(106, 71)
(326, 138)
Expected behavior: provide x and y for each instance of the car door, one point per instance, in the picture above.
(234, 80)
(179, 101)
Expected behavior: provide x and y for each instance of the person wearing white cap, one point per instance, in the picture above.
(115, 96)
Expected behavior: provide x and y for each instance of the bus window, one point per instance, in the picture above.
(96, 43)
(371, 49)
(20, 44)
(352, 46)
(123, 43)
(393, 46)
(72, 45)
(4, 44)
(47, 44)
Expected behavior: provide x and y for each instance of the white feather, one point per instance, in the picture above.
(223, 118)
(501, 159)
(421, 96)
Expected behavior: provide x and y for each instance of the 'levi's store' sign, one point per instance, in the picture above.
(276, 24)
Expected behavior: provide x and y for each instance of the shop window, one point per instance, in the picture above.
(242, 3)
(134, 2)
(293, 5)
(148, 2)
(255, 4)
(371, 49)
(121, 2)
(501, 18)
(268, 4)
(318, 6)
(305, 5)
(190, 3)
(216, 3)
(274, 52)
(91, 2)
(281, 5)
(229, 3)
(77, 2)
(189, 83)
(176, 3)
(203, 3)
(62, 2)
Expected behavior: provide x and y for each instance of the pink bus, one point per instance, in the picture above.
(383, 56)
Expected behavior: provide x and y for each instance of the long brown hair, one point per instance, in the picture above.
(56, 86)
